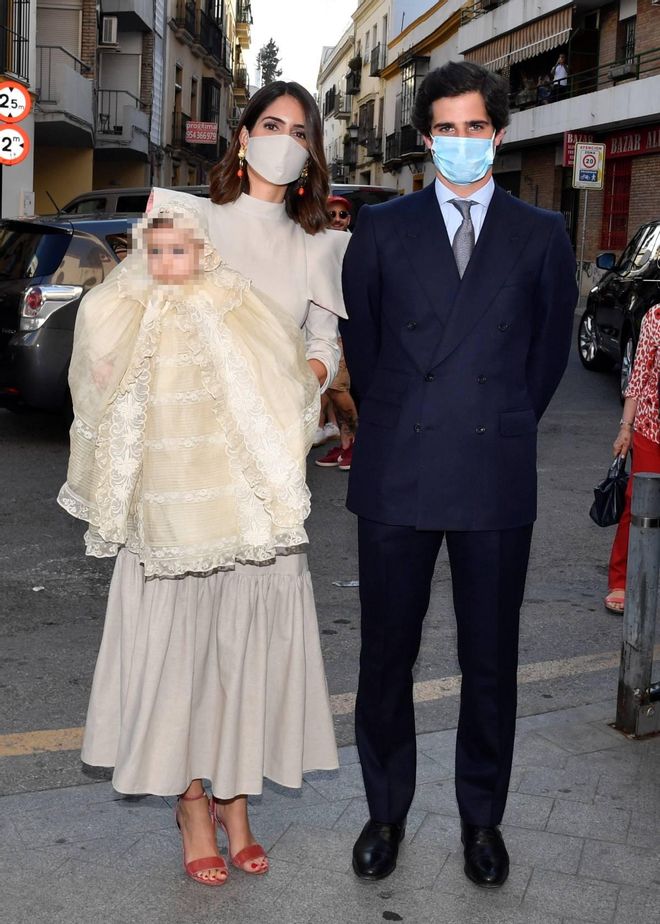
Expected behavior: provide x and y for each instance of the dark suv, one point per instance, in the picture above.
(609, 328)
(46, 266)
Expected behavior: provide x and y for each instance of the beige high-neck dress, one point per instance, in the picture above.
(221, 676)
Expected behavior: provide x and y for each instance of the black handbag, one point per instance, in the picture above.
(610, 495)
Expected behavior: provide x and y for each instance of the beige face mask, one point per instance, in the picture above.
(278, 159)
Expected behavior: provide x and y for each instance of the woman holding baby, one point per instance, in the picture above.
(195, 380)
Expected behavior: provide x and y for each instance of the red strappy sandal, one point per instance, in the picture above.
(251, 859)
(204, 864)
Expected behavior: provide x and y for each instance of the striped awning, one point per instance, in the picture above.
(524, 43)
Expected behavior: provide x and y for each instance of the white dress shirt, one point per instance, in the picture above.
(451, 215)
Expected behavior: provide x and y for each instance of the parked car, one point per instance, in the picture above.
(116, 201)
(133, 201)
(46, 266)
(609, 328)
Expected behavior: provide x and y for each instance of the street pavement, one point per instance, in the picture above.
(583, 818)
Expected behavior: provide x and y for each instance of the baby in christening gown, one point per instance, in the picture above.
(194, 409)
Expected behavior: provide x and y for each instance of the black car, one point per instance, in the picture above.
(609, 328)
(46, 266)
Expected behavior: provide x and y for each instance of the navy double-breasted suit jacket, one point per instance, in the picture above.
(453, 374)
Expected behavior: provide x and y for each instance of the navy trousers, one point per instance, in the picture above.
(488, 571)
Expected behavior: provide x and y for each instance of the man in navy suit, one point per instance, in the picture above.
(460, 301)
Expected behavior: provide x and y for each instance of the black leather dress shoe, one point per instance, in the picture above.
(376, 849)
(486, 859)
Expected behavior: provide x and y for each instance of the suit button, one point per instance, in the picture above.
(481, 379)
(480, 430)
(411, 325)
(503, 325)
(418, 428)
(429, 377)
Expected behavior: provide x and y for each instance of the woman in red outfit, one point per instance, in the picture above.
(640, 425)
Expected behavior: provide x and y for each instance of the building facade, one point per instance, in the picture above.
(609, 93)
(18, 29)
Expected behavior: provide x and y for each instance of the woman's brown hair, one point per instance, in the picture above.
(309, 211)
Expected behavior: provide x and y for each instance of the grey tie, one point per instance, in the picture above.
(463, 243)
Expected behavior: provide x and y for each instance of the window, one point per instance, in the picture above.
(87, 206)
(614, 231)
(625, 40)
(194, 83)
(366, 45)
(407, 92)
(28, 252)
(132, 204)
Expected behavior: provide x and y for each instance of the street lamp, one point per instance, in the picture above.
(353, 132)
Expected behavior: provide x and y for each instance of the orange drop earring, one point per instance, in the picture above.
(302, 181)
(240, 173)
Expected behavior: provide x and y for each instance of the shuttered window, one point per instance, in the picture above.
(614, 232)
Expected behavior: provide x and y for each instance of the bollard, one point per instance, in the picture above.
(637, 713)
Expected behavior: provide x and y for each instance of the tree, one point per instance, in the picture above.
(268, 61)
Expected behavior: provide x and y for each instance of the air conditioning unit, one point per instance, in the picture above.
(109, 30)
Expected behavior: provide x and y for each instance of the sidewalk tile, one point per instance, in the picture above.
(440, 745)
(584, 899)
(83, 822)
(268, 827)
(643, 795)
(317, 848)
(275, 796)
(582, 737)
(556, 852)
(452, 879)
(644, 830)
(637, 906)
(436, 797)
(532, 750)
(526, 811)
(570, 785)
(345, 784)
(441, 831)
(348, 755)
(355, 815)
(615, 763)
(621, 863)
(602, 822)
(67, 797)
(432, 769)
(418, 866)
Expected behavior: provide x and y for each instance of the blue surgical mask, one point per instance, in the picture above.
(463, 160)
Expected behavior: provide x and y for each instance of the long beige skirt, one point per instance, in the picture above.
(217, 677)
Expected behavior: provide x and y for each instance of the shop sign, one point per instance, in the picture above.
(570, 140)
(589, 166)
(201, 132)
(634, 142)
(15, 101)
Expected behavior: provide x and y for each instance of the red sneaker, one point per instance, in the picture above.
(345, 459)
(330, 459)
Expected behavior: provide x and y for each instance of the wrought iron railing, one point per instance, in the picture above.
(607, 75)
(342, 107)
(186, 16)
(405, 143)
(478, 8)
(244, 12)
(353, 79)
(374, 144)
(48, 56)
(378, 60)
(14, 41)
(110, 106)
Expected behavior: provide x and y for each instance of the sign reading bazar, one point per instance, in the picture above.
(570, 140)
(634, 142)
(201, 132)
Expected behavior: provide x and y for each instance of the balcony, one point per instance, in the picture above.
(353, 80)
(133, 15)
(241, 86)
(243, 22)
(185, 21)
(350, 157)
(338, 172)
(64, 115)
(478, 8)
(214, 45)
(14, 42)
(402, 147)
(121, 122)
(374, 144)
(617, 91)
(342, 107)
(378, 60)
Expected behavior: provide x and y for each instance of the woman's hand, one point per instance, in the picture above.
(319, 370)
(622, 442)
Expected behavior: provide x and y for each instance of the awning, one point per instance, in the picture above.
(524, 43)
